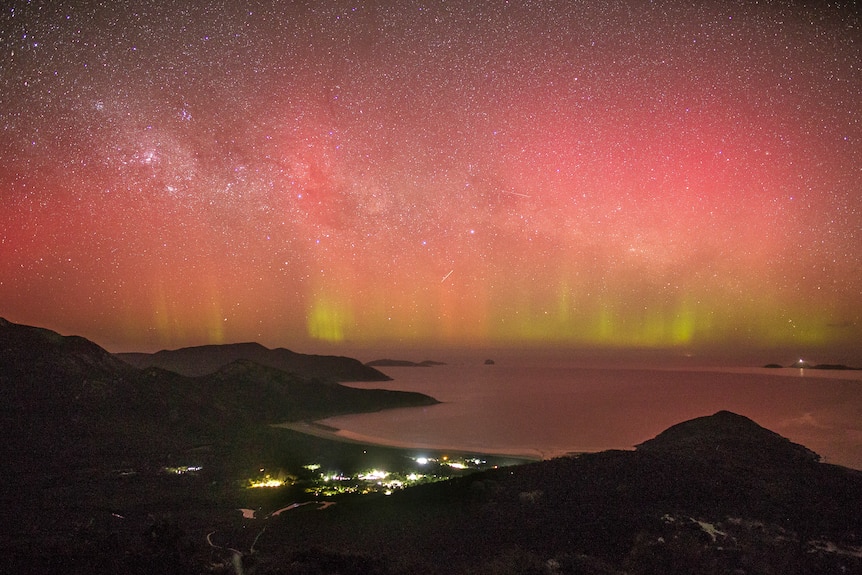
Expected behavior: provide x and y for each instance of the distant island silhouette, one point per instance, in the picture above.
(802, 364)
(402, 363)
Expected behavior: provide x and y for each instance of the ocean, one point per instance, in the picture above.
(547, 411)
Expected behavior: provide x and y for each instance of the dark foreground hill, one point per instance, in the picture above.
(206, 359)
(84, 490)
(84, 432)
(714, 495)
(717, 494)
(68, 403)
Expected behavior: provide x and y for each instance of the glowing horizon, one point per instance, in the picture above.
(610, 176)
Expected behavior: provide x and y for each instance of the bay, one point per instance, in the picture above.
(547, 411)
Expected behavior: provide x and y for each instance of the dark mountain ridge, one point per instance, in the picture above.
(206, 359)
(715, 495)
(25, 349)
(728, 434)
(281, 396)
(65, 395)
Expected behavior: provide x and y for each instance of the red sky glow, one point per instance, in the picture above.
(664, 175)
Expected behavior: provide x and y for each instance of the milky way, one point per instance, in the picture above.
(622, 175)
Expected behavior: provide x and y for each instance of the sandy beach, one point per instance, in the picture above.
(333, 433)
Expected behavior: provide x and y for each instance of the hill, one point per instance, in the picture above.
(68, 402)
(85, 433)
(87, 440)
(206, 359)
(717, 494)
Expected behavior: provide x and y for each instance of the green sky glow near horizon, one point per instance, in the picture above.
(599, 175)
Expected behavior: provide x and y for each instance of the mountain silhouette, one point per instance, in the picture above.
(716, 494)
(727, 434)
(67, 399)
(206, 359)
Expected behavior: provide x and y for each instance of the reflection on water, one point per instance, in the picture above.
(555, 410)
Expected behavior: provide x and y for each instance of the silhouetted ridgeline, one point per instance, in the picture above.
(67, 397)
(206, 359)
(85, 436)
(714, 495)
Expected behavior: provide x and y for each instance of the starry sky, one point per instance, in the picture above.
(357, 175)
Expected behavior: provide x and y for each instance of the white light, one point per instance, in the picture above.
(373, 475)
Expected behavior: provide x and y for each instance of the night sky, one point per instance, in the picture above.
(334, 175)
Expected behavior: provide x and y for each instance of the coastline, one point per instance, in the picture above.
(329, 432)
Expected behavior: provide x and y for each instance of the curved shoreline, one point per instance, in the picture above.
(335, 434)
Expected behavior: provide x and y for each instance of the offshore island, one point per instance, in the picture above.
(802, 364)
(402, 363)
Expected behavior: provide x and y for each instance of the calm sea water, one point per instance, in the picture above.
(548, 411)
